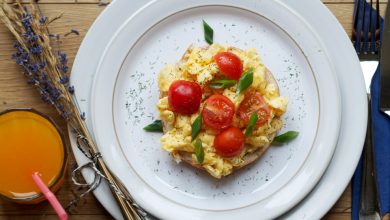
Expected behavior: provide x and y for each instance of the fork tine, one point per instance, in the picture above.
(362, 9)
(366, 25)
(366, 29)
(355, 18)
(372, 27)
(356, 12)
(359, 24)
(377, 27)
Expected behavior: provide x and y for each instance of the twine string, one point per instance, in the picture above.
(83, 145)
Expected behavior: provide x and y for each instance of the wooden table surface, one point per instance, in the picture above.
(15, 93)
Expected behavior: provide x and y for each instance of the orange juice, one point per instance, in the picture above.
(29, 142)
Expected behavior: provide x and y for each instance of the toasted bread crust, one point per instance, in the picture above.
(248, 158)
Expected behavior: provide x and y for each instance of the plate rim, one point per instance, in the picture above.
(85, 63)
(317, 177)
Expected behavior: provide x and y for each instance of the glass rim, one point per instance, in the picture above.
(60, 174)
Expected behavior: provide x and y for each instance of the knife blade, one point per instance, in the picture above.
(385, 65)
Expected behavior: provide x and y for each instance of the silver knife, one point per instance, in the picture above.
(385, 65)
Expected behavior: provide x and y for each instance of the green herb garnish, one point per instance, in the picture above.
(156, 126)
(222, 83)
(198, 150)
(286, 137)
(252, 122)
(208, 33)
(196, 127)
(245, 81)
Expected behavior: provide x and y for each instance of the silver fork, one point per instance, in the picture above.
(366, 40)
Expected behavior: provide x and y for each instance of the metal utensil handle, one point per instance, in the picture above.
(369, 207)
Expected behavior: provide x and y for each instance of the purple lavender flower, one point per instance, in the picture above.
(36, 49)
(43, 78)
(65, 115)
(33, 68)
(45, 97)
(43, 20)
(64, 79)
(18, 47)
(103, 3)
(72, 31)
(20, 58)
(82, 115)
(42, 65)
(71, 89)
(34, 38)
(46, 86)
(26, 20)
(51, 91)
(63, 58)
(54, 93)
(63, 62)
(60, 107)
(19, 61)
(29, 35)
(75, 31)
(64, 69)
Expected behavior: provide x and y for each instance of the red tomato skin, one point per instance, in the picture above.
(229, 64)
(253, 102)
(218, 112)
(230, 142)
(184, 97)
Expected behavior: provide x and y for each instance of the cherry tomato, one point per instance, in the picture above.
(218, 112)
(229, 64)
(184, 97)
(253, 102)
(230, 142)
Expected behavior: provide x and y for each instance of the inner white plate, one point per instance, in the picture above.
(136, 94)
(294, 55)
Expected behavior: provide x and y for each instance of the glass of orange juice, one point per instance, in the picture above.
(29, 142)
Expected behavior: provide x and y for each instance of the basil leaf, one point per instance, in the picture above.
(252, 122)
(198, 150)
(245, 80)
(286, 137)
(196, 127)
(156, 126)
(208, 33)
(223, 83)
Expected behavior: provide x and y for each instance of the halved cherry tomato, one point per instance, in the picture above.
(218, 112)
(230, 142)
(229, 64)
(184, 97)
(253, 102)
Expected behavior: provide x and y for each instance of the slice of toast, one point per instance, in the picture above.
(249, 157)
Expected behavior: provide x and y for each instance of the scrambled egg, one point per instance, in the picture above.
(198, 65)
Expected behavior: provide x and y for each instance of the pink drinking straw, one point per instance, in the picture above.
(50, 196)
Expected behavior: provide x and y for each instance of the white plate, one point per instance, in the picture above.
(315, 205)
(125, 95)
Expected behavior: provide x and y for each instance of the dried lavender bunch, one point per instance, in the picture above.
(44, 67)
(47, 70)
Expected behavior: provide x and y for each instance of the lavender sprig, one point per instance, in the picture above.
(46, 71)
(72, 31)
